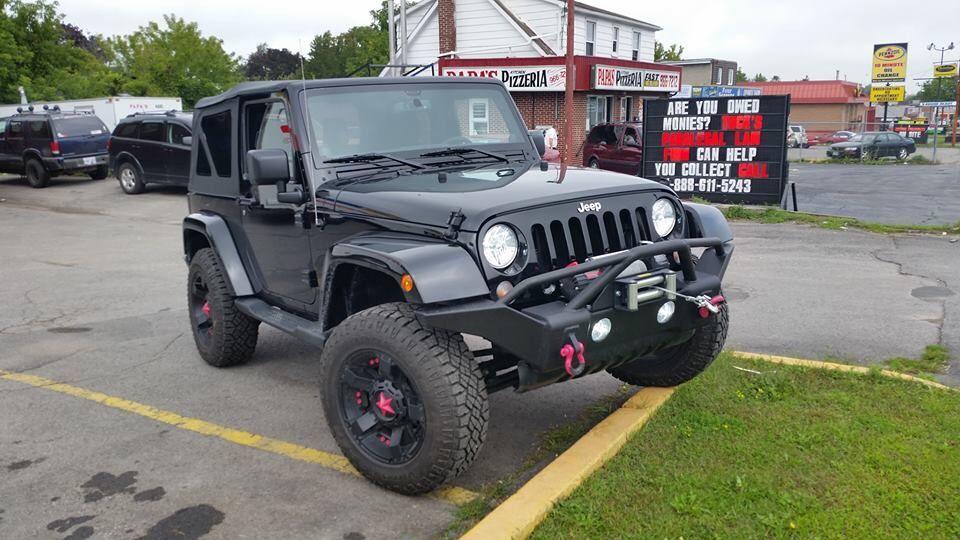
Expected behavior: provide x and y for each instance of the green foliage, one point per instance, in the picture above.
(36, 53)
(776, 215)
(759, 77)
(172, 60)
(661, 53)
(339, 55)
(272, 64)
(779, 452)
(943, 89)
(933, 360)
(741, 76)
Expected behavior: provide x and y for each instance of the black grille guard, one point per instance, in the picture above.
(614, 265)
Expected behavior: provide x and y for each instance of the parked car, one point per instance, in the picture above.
(384, 247)
(151, 148)
(832, 138)
(797, 137)
(614, 147)
(873, 145)
(43, 144)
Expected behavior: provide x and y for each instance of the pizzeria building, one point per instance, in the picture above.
(522, 43)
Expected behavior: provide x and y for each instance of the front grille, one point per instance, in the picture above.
(559, 242)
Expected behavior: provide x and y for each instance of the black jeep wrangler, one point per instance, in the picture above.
(380, 219)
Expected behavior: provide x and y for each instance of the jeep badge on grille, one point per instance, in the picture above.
(589, 207)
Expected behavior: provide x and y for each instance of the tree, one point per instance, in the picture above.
(775, 78)
(660, 53)
(938, 90)
(37, 54)
(174, 59)
(341, 55)
(741, 76)
(266, 63)
(759, 77)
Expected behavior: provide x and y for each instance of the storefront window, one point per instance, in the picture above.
(598, 110)
(479, 117)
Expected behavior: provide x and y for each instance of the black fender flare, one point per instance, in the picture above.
(215, 230)
(707, 222)
(124, 157)
(441, 272)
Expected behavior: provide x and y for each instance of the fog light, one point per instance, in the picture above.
(665, 313)
(504, 288)
(601, 329)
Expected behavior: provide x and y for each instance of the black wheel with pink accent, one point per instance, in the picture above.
(224, 335)
(406, 403)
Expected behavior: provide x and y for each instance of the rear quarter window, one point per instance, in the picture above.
(217, 130)
(38, 129)
(128, 130)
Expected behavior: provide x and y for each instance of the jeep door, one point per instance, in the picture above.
(177, 154)
(280, 242)
(150, 151)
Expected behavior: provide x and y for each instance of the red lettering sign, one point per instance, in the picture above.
(676, 154)
(752, 170)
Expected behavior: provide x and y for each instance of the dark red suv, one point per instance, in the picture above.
(615, 147)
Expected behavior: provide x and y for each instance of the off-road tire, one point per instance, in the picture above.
(100, 172)
(232, 338)
(131, 182)
(447, 381)
(36, 173)
(683, 362)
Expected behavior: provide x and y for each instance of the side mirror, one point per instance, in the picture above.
(537, 137)
(187, 141)
(267, 166)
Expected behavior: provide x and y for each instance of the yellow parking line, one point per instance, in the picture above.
(327, 460)
(520, 514)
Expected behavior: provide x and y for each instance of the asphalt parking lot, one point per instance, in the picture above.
(894, 194)
(93, 296)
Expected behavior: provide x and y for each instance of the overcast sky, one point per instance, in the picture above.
(812, 38)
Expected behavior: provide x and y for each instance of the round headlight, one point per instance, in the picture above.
(664, 217)
(500, 246)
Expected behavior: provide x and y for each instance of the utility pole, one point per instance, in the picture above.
(568, 93)
(936, 110)
(392, 31)
(403, 34)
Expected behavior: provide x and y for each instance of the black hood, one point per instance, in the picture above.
(482, 193)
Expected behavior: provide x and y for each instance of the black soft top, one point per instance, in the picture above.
(269, 87)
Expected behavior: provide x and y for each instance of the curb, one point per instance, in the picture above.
(519, 514)
(818, 364)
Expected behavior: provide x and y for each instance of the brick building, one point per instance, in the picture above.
(522, 43)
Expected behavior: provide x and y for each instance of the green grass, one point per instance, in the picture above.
(791, 452)
(933, 360)
(776, 215)
(550, 444)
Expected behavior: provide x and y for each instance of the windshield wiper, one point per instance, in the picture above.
(370, 158)
(462, 151)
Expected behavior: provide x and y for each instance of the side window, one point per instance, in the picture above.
(3, 128)
(16, 128)
(630, 138)
(177, 133)
(152, 131)
(38, 129)
(609, 135)
(128, 130)
(217, 131)
(267, 127)
(594, 136)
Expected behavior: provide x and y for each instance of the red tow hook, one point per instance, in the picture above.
(568, 351)
(705, 311)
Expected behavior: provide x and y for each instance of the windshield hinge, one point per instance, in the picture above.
(453, 224)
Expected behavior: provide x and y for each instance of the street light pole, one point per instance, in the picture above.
(567, 156)
(936, 109)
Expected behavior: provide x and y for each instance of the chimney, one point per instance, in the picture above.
(448, 26)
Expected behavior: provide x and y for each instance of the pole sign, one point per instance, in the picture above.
(888, 94)
(890, 62)
(945, 70)
(729, 149)
(521, 79)
(633, 79)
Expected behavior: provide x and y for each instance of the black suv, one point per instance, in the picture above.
(381, 219)
(52, 142)
(151, 148)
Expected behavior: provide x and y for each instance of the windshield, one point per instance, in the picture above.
(863, 138)
(75, 126)
(376, 119)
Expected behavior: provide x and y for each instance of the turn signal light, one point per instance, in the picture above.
(406, 283)
(504, 288)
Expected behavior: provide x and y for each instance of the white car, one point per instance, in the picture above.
(797, 137)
